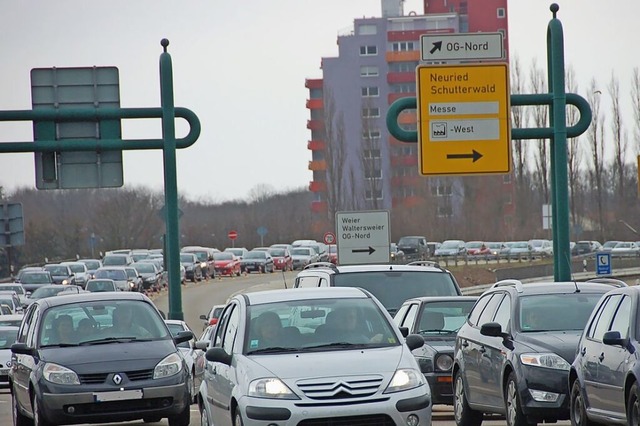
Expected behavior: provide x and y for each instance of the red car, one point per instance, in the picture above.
(332, 249)
(226, 263)
(282, 260)
(477, 248)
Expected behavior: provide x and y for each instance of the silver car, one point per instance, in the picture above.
(311, 355)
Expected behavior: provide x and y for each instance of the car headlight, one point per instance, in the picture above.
(60, 375)
(405, 379)
(65, 282)
(444, 362)
(169, 366)
(270, 388)
(546, 360)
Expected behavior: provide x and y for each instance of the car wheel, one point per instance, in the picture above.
(181, 419)
(514, 415)
(19, 419)
(463, 414)
(238, 419)
(577, 409)
(633, 405)
(38, 417)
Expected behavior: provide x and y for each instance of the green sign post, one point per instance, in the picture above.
(557, 99)
(168, 113)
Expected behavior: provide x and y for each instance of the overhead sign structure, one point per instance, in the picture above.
(603, 263)
(464, 120)
(363, 237)
(461, 47)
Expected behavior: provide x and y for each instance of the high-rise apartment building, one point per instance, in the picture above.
(356, 163)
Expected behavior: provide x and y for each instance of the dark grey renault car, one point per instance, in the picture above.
(97, 358)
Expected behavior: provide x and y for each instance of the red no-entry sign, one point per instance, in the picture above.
(232, 235)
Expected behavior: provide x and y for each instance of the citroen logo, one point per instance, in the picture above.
(117, 379)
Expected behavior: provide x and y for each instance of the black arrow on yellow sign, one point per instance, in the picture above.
(475, 155)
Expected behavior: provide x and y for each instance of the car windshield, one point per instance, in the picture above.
(92, 264)
(474, 244)
(100, 285)
(237, 252)
(57, 270)
(17, 288)
(301, 252)
(8, 337)
(35, 278)
(443, 318)
(187, 258)
(112, 274)
(114, 260)
(408, 241)
(12, 322)
(609, 244)
(450, 245)
(255, 255)
(223, 256)
(317, 325)
(523, 245)
(43, 292)
(146, 268)
(101, 322)
(393, 287)
(540, 312)
(77, 267)
(277, 252)
(201, 255)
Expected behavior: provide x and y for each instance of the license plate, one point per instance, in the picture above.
(117, 395)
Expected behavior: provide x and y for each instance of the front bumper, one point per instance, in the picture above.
(83, 407)
(384, 409)
(441, 387)
(547, 380)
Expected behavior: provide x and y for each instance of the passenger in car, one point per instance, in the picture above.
(123, 324)
(347, 325)
(268, 330)
(63, 330)
(86, 329)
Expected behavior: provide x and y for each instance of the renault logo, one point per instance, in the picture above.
(117, 379)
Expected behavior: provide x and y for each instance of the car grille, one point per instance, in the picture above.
(340, 388)
(119, 407)
(372, 420)
(102, 377)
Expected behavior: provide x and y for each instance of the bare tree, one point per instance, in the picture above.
(539, 117)
(336, 155)
(574, 152)
(635, 102)
(619, 138)
(596, 143)
(518, 121)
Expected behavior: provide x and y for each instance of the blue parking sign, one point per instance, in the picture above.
(603, 263)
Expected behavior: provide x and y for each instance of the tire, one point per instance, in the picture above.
(19, 419)
(204, 417)
(577, 410)
(237, 421)
(38, 418)
(181, 419)
(463, 414)
(633, 405)
(151, 419)
(513, 407)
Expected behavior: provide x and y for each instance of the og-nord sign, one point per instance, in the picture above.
(363, 237)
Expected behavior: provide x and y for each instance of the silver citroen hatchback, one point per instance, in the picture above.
(312, 356)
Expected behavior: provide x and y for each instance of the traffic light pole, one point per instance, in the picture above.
(168, 113)
(557, 99)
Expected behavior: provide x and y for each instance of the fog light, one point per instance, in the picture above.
(71, 409)
(413, 420)
(543, 396)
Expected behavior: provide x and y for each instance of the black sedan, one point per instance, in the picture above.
(257, 261)
(437, 320)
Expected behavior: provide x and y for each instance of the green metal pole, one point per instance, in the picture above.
(170, 183)
(560, 212)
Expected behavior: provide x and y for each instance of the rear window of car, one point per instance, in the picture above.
(392, 288)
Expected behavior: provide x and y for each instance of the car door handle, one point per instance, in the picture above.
(583, 351)
(601, 357)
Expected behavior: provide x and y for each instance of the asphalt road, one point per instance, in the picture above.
(197, 299)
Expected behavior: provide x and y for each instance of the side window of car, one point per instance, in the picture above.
(411, 316)
(606, 316)
(478, 308)
(310, 281)
(399, 317)
(25, 325)
(490, 310)
(503, 314)
(622, 316)
(32, 332)
(231, 330)
(220, 328)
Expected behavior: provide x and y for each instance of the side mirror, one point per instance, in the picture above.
(183, 336)
(204, 317)
(218, 355)
(414, 341)
(22, 349)
(491, 329)
(613, 338)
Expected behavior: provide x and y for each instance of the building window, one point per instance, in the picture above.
(370, 92)
(507, 199)
(369, 71)
(506, 179)
(315, 93)
(403, 46)
(370, 112)
(371, 134)
(403, 66)
(368, 50)
(502, 12)
(403, 88)
(367, 29)
(375, 194)
(441, 190)
(372, 153)
(445, 211)
(373, 173)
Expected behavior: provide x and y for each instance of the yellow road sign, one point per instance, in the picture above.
(464, 119)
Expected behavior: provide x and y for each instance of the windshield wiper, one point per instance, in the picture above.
(273, 349)
(339, 345)
(124, 339)
(60, 345)
(438, 330)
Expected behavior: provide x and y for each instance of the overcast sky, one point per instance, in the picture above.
(241, 67)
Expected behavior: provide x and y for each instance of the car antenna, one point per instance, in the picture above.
(575, 283)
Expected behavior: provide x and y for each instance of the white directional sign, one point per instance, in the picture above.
(461, 46)
(363, 237)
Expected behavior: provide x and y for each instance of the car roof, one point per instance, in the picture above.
(374, 268)
(550, 287)
(441, 298)
(284, 295)
(175, 321)
(92, 297)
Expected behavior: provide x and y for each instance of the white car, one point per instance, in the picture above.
(8, 336)
(193, 356)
